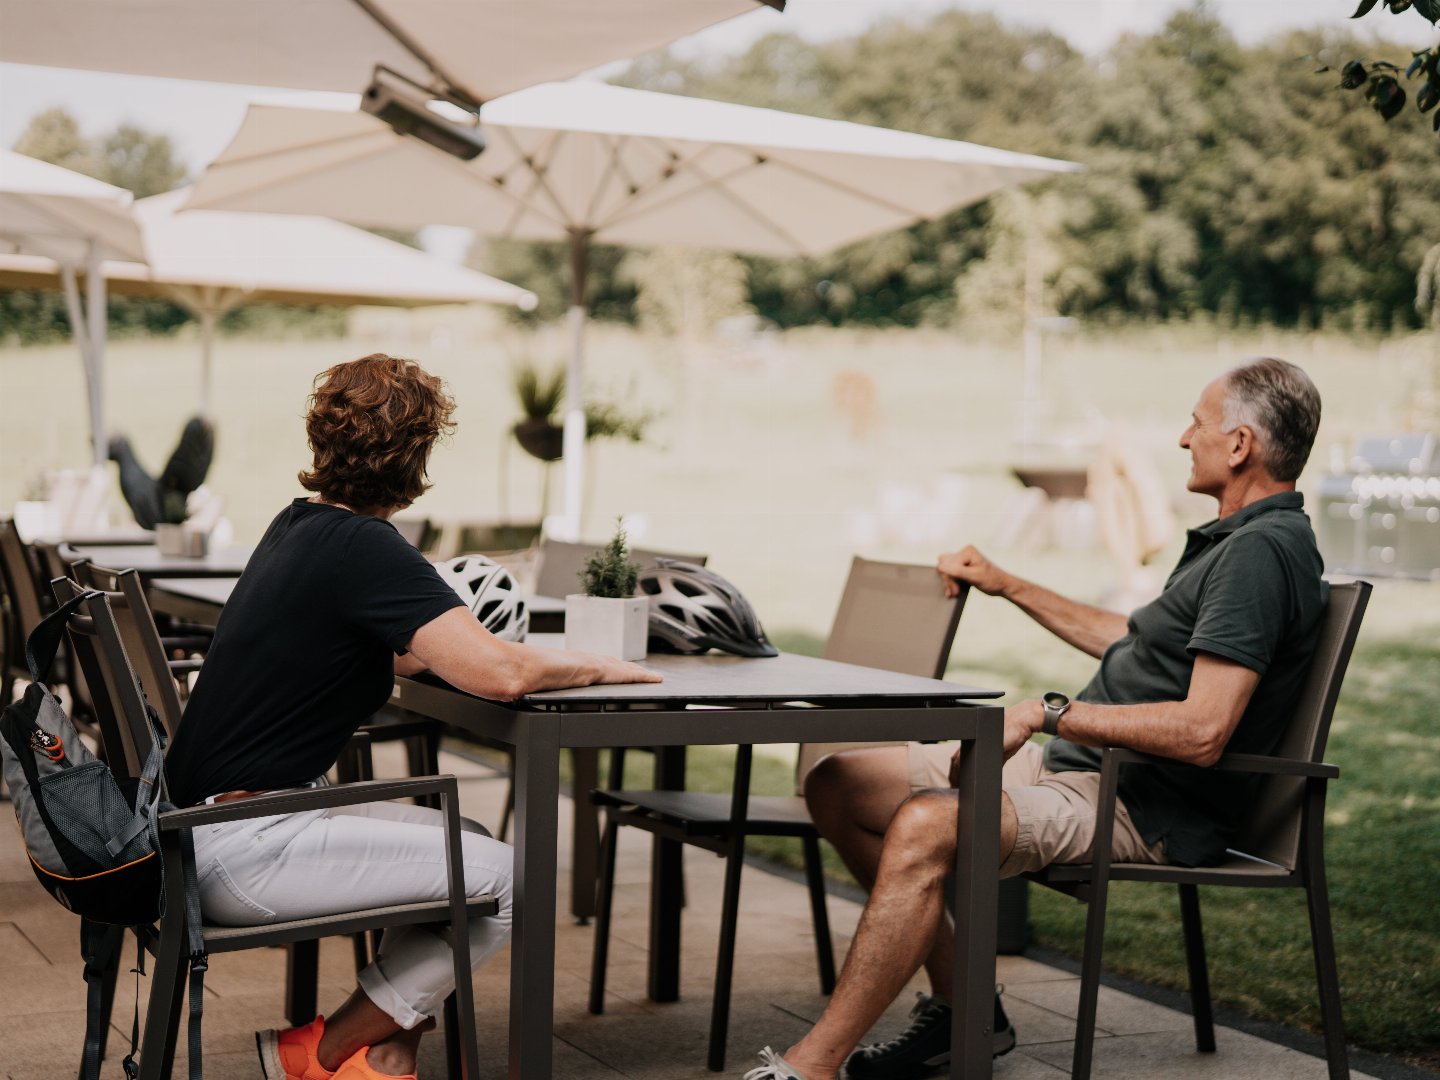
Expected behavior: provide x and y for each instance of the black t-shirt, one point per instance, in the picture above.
(304, 652)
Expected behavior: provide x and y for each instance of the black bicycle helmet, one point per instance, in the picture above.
(693, 609)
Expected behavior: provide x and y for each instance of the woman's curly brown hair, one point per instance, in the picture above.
(371, 425)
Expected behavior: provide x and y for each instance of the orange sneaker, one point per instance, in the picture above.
(291, 1054)
(358, 1067)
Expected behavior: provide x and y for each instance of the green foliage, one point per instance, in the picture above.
(1381, 80)
(609, 572)
(541, 393)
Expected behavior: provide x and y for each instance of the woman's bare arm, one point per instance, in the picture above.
(467, 656)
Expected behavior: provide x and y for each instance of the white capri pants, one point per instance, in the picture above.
(322, 862)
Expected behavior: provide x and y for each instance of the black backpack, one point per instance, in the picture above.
(93, 841)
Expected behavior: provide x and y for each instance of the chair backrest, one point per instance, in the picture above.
(1274, 827)
(139, 635)
(894, 616)
(558, 573)
(115, 691)
(21, 583)
(419, 532)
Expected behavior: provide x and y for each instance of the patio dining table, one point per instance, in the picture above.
(744, 701)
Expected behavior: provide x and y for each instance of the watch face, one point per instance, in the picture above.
(1056, 700)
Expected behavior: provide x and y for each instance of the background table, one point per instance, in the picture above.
(146, 560)
(759, 696)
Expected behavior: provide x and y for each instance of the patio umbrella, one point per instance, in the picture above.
(589, 162)
(211, 262)
(479, 49)
(77, 222)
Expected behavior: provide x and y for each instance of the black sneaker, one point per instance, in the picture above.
(923, 1048)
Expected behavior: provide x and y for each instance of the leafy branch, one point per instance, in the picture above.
(1381, 78)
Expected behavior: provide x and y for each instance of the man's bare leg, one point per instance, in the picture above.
(853, 796)
(905, 912)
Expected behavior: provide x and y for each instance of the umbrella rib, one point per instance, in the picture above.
(719, 182)
(522, 201)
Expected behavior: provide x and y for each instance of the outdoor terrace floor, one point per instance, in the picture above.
(776, 989)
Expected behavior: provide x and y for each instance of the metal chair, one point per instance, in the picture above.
(1282, 846)
(98, 646)
(893, 616)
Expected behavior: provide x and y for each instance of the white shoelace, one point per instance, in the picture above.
(772, 1067)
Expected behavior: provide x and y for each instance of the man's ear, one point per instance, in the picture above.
(1242, 446)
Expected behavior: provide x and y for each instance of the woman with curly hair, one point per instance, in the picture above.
(332, 606)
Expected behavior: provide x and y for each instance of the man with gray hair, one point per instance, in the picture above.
(1211, 665)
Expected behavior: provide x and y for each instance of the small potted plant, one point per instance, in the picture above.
(608, 618)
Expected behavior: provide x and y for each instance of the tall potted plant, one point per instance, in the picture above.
(541, 393)
(608, 618)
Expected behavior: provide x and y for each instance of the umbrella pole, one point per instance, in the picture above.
(95, 311)
(207, 358)
(81, 331)
(574, 445)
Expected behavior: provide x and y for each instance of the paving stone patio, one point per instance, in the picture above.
(776, 989)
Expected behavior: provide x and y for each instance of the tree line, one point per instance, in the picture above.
(1222, 181)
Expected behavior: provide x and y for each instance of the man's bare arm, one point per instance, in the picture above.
(1194, 730)
(1090, 629)
(466, 655)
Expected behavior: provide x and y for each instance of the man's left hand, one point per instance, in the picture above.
(1021, 722)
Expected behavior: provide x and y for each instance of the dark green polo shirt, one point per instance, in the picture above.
(1248, 589)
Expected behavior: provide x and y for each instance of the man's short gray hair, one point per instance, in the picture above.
(1277, 401)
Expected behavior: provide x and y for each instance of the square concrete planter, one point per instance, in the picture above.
(610, 626)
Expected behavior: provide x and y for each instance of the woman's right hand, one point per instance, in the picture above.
(623, 671)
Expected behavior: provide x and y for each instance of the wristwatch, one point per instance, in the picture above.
(1056, 705)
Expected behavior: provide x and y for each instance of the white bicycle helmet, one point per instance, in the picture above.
(693, 609)
(490, 593)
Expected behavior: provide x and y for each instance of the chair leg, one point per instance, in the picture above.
(725, 958)
(454, 1066)
(815, 878)
(167, 994)
(1090, 980)
(1317, 899)
(302, 974)
(604, 896)
(1199, 970)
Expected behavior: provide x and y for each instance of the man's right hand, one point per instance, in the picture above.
(968, 567)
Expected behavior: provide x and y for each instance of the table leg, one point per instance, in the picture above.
(977, 855)
(585, 833)
(667, 888)
(532, 950)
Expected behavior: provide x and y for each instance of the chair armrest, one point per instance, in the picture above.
(1260, 763)
(182, 667)
(1255, 763)
(320, 798)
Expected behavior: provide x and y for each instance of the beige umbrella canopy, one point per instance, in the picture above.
(585, 162)
(211, 262)
(477, 48)
(76, 222)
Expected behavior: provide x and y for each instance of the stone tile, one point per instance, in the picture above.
(1172, 1054)
(1116, 1013)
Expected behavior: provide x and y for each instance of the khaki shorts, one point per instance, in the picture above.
(1056, 809)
